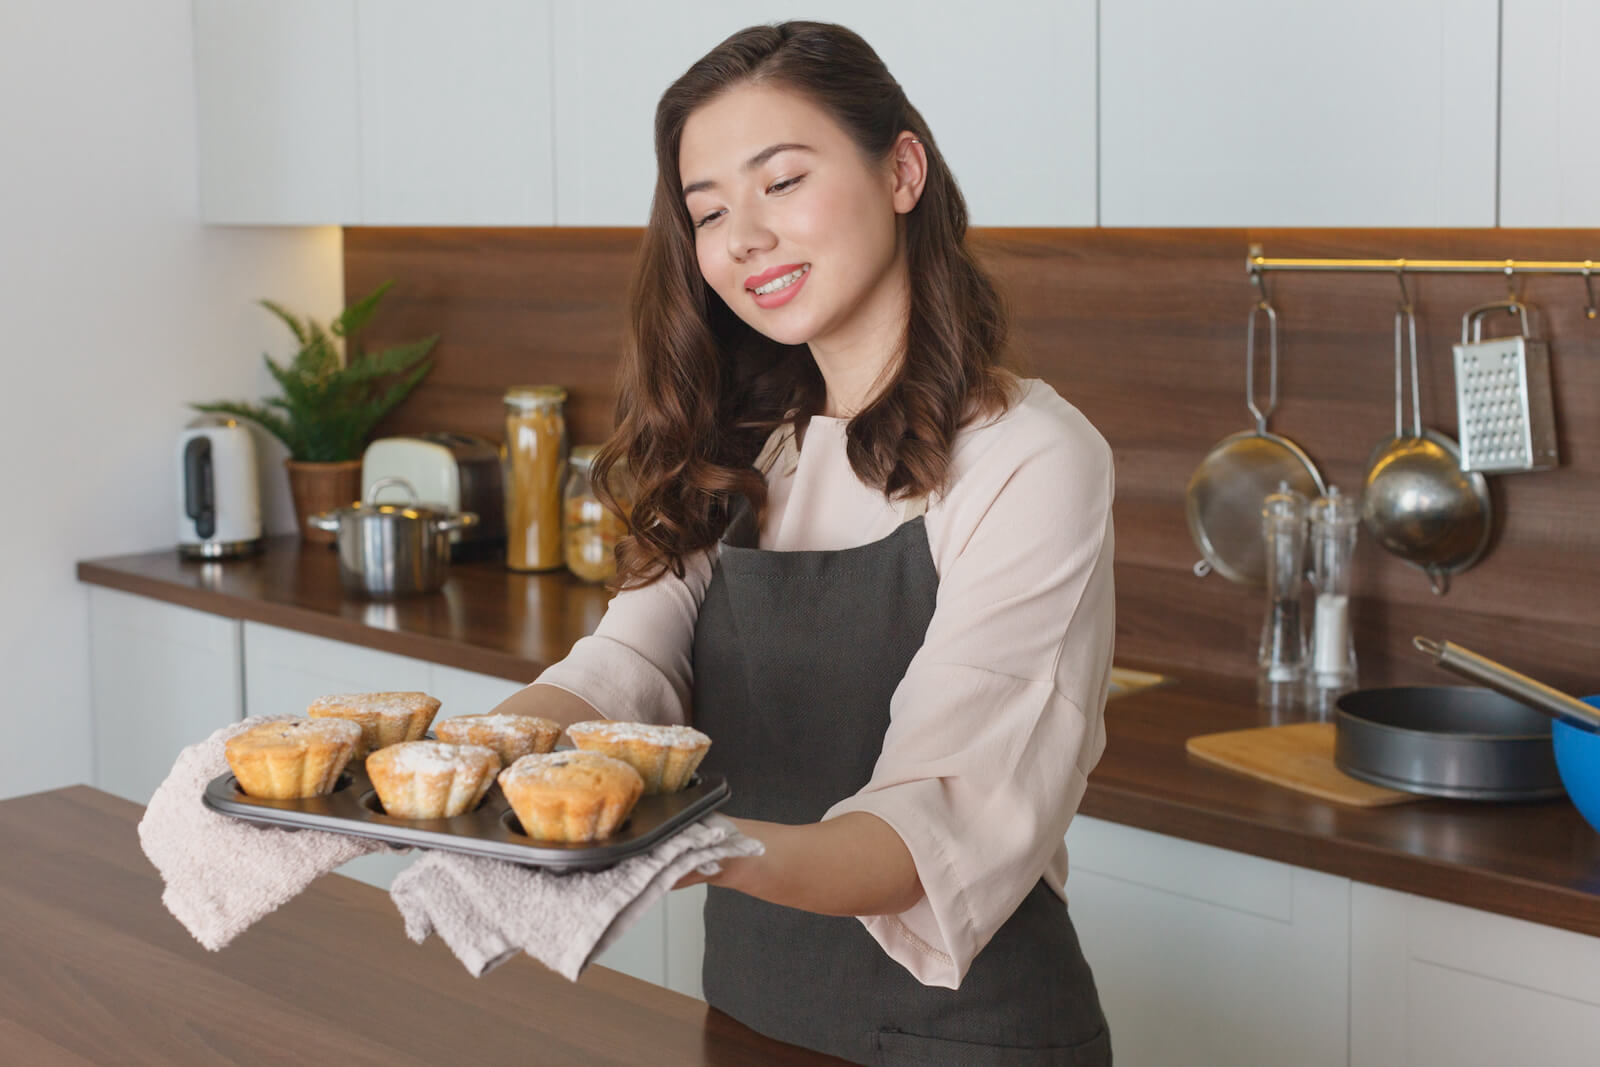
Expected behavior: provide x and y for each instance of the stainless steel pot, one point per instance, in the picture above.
(389, 550)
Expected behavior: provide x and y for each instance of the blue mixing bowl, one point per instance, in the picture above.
(1578, 760)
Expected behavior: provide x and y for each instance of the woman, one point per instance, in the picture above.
(873, 565)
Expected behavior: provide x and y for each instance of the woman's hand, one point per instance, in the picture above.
(855, 864)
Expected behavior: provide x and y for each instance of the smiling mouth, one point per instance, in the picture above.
(782, 282)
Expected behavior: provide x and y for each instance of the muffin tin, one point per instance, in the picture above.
(491, 830)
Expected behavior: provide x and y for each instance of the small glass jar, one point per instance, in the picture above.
(535, 460)
(590, 529)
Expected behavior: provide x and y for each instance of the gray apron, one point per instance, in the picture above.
(796, 655)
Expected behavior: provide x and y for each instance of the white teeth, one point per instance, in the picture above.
(778, 283)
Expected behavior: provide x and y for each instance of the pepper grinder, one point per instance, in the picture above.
(1333, 650)
(1281, 658)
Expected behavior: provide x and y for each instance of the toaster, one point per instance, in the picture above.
(449, 471)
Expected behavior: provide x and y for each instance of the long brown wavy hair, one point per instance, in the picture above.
(700, 390)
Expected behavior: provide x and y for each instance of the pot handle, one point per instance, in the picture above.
(459, 521)
(383, 483)
(326, 521)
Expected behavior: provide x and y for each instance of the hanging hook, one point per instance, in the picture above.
(1400, 276)
(1512, 299)
(1589, 311)
(1258, 279)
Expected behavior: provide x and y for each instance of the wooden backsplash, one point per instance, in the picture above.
(1144, 331)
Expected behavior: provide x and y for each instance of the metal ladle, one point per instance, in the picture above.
(1416, 500)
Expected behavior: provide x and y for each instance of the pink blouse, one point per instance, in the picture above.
(1000, 717)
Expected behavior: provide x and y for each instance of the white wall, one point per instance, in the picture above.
(116, 309)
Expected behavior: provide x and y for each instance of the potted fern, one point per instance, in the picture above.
(331, 401)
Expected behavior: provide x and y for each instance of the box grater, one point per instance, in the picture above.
(1503, 401)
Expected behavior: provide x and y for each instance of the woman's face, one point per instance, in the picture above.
(779, 195)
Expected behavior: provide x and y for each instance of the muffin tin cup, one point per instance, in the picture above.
(491, 830)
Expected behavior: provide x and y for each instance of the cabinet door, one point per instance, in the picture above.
(1549, 155)
(686, 940)
(1439, 985)
(278, 129)
(455, 113)
(162, 678)
(468, 693)
(1259, 113)
(284, 671)
(1205, 956)
(1007, 89)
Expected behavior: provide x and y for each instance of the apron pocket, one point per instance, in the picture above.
(897, 1049)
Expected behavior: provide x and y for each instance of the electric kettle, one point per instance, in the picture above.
(219, 497)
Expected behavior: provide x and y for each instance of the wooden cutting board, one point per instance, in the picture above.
(1298, 756)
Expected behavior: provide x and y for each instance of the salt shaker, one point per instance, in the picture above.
(1281, 658)
(1333, 651)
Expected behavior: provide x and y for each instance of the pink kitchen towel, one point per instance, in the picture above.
(488, 911)
(223, 874)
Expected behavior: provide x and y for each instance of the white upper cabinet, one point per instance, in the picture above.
(1549, 153)
(455, 113)
(1007, 89)
(377, 112)
(1262, 113)
(278, 118)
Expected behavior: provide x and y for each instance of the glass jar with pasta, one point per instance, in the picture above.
(536, 459)
(591, 530)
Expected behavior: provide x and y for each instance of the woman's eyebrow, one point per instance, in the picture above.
(750, 164)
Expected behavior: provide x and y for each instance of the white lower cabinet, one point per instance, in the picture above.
(686, 940)
(164, 677)
(1206, 956)
(1202, 955)
(1435, 984)
(285, 670)
(161, 678)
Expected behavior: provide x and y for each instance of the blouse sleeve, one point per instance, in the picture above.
(638, 664)
(998, 720)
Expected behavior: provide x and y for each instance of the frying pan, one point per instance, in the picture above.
(1446, 741)
(1225, 493)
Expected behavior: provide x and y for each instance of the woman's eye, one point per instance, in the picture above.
(775, 187)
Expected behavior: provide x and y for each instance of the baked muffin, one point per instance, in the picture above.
(570, 795)
(431, 779)
(664, 756)
(511, 736)
(289, 758)
(385, 718)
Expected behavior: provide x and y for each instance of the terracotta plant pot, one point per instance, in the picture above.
(319, 487)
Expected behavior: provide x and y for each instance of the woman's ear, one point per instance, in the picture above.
(910, 160)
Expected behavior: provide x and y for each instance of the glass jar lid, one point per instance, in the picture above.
(533, 397)
(582, 456)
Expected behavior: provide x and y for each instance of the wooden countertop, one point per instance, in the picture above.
(486, 619)
(97, 971)
(1536, 861)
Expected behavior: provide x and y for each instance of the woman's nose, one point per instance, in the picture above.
(749, 236)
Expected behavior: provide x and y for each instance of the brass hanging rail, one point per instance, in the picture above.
(1257, 265)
